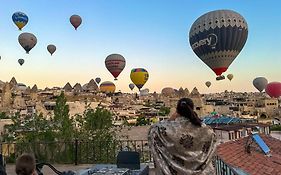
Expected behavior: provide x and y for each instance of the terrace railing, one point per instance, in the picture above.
(75, 152)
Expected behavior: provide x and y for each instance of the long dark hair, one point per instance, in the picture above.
(185, 108)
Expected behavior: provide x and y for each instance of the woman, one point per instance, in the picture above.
(182, 145)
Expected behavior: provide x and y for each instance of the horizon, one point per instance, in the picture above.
(153, 35)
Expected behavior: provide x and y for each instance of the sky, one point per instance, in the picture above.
(152, 34)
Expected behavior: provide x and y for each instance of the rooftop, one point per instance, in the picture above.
(256, 162)
(238, 126)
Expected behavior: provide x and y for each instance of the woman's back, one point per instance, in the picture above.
(179, 147)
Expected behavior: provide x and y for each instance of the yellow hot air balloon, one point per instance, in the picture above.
(139, 77)
(230, 76)
(107, 87)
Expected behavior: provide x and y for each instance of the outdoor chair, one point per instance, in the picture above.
(128, 159)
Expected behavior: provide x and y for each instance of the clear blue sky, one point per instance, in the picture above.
(149, 33)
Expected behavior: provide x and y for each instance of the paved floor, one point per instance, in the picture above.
(10, 169)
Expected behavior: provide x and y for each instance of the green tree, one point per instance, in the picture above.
(164, 111)
(3, 115)
(98, 124)
(97, 130)
(142, 121)
(63, 124)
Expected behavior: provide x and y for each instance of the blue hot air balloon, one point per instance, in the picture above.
(20, 19)
(217, 37)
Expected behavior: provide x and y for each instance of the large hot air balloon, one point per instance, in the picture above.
(107, 87)
(21, 61)
(273, 89)
(51, 48)
(217, 37)
(139, 77)
(20, 19)
(208, 84)
(27, 41)
(230, 76)
(98, 79)
(76, 21)
(131, 86)
(260, 83)
(115, 63)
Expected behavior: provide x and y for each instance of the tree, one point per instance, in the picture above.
(98, 124)
(3, 115)
(96, 127)
(63, 124)
(31, 128)
(142, 121)
(164, 111)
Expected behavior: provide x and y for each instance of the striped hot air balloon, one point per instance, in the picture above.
(107, 87)
(115, 63)
(217, 37)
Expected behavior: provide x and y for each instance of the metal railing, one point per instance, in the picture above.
(76, 152)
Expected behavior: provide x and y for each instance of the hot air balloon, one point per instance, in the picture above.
(217, 37)
(107, 87)
(27, 41)
(20, 19)
(131, 86)
(98, 79)
(260, 83)
(51, 48)
(139, 77)
(144, 92)
(76, 21)
(273, 89)
(230, 76)
(115, 63)
(208, 84)
(21, 61)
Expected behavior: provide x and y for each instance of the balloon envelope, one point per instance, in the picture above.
(51, 48)
(144, 92)
(230, 76)
(21, 61)
(27, 41)
(208, 83)
(76, 21)
(139, 77)
(20, 19)
(273, 89)
(115, 63)
(107, 87)
(260, 83)
(131, 86)
(217, 37)
(98, 80)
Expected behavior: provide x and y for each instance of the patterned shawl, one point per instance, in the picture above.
(180, 148)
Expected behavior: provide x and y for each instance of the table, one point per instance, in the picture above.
(111, 169)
